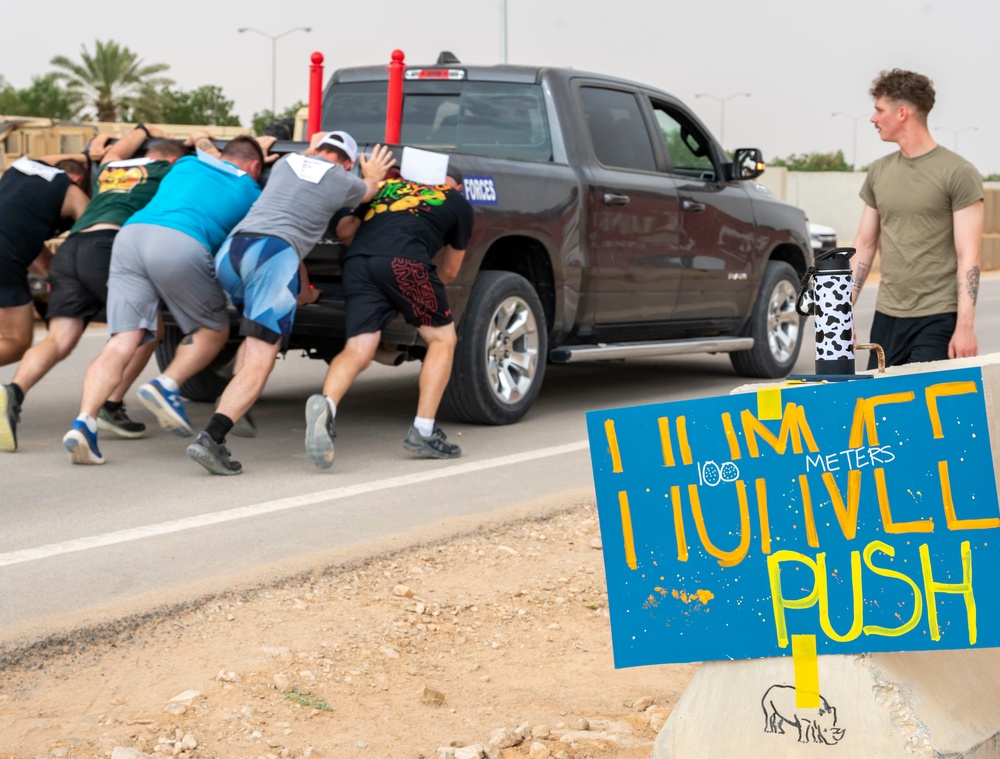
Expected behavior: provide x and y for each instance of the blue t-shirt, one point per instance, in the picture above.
(203, 197)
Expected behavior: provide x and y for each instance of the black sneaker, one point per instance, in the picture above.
(10, 415)
(213, 456)
(118, 422)
(320, 431)
(436, 446)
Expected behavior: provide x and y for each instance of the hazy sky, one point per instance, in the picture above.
(801, 60)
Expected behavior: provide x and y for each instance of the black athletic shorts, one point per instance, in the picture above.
(377, 288)
(909, 340)
(78, 275)
(14, 290)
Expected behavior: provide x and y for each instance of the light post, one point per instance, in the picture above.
(274, 57)
(503, 31)
(854, 146)
(956, 132)
(722, 111)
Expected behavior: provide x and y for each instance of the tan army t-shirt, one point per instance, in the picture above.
(915, 199)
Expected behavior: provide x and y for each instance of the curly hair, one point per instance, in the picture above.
(909, 86)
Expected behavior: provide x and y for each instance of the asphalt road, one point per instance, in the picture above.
(78, 541)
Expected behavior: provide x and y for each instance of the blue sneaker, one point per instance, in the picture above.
(81, 444)
(168, 407)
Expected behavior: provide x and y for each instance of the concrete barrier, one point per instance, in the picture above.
(910, 705)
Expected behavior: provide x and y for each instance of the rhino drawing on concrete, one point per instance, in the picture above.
(814, 725)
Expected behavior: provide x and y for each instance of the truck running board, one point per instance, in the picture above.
(568, 354)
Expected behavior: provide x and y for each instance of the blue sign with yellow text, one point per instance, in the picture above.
(864, 513)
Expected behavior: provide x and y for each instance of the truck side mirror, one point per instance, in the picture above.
(748, 163)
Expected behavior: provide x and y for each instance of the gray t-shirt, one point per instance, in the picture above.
(300, 198)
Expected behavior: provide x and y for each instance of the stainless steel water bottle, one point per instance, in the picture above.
(833, 314)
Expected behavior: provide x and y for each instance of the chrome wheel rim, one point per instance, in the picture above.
(782, 322)
(512, 350)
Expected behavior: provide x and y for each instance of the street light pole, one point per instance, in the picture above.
(503, 31)
(274, 56)
(956, 132)
(854, 147)
(722, 111)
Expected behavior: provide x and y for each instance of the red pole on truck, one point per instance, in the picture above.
(315, 95)
(394, 105)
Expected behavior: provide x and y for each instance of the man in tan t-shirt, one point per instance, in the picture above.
(924, 211)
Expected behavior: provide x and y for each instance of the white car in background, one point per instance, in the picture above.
(822, 237)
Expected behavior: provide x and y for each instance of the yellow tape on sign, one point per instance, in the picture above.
(769, 403)
(806, 671)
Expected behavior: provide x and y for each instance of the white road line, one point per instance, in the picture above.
(284, 504)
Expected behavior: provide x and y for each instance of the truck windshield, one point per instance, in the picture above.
(482, 118)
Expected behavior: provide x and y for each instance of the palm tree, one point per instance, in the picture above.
(112, 80)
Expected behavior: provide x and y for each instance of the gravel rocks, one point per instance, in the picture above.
(494, 645)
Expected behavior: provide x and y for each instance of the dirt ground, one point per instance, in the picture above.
(495, 643)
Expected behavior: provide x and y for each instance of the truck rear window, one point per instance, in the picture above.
(481, 118)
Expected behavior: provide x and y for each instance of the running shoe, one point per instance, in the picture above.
(10, 415)
(81, 444)
(319, 431)
(168, 407)
(117, 421)
(436, 446)
(213, 456)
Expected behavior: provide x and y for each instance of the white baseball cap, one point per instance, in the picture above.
(344, 141)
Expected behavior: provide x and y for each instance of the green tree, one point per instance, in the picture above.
(205, 105)
(814, 162)
(987, 178)
(262, 119)
(43, 98)
(111, 81)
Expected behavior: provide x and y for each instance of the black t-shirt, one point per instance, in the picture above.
(414, 221)
(30, 210)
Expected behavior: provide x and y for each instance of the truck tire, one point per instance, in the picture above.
(501, 354)
(774, 325)
(208, 384)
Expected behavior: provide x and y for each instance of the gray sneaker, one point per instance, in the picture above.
(436, 446)
(10, 415)
(213, 456)
(319, 431)
(118, 423)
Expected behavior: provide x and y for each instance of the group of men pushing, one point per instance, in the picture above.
(190, 230)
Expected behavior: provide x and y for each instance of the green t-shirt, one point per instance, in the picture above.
(120, 189)
(915, 199)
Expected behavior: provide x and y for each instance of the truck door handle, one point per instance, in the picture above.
(693, 206)
(611, 199)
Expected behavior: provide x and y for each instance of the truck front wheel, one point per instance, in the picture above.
(774, 325)
(501, 354)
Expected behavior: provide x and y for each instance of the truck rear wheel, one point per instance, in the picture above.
(774, 325)
(208, 384)
(501, 354)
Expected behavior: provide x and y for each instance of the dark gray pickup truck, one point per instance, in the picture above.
(609, 224)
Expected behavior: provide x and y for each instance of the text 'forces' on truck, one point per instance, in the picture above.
(609, 224)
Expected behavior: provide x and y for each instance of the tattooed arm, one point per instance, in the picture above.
(968, 238)
(866, 243)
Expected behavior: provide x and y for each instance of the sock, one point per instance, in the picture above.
(112, 406)
(424, 426)
(168, 383)
(18, 393)
(89, 421)
(218, 427)
(332, 405)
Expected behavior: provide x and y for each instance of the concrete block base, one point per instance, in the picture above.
(914, 705)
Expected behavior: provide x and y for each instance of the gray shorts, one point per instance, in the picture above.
(150, 263)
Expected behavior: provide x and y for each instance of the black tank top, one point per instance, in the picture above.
(30, 211)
